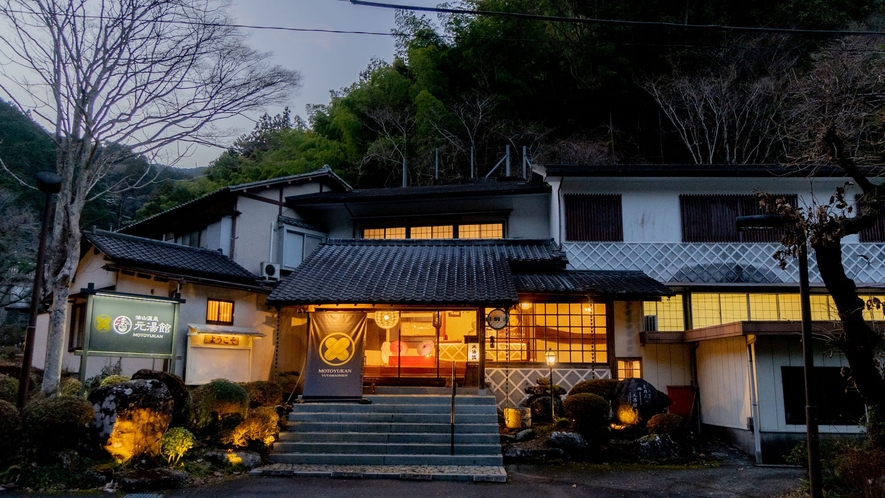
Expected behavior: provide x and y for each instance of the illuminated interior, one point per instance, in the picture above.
(710, 309)
(464, 231)
(576, 332)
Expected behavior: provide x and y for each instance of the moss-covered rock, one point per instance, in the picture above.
(130, 418)
(181, 397)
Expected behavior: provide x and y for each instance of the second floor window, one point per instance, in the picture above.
(711, 218)
(875, 233)
(593, 218)
(220, 312)
(458, 231)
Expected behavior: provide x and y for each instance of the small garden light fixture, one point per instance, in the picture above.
(550, 358)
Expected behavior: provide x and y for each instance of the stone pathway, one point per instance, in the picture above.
(408, 472)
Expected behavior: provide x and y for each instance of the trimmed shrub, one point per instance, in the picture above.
(218, 400)
(664, 423)
(587, 411)
(56, 423)
(8, 388)
(93, 383)
(69, 386)
(113, 380)
(175, 443)
(601, 387)
(263, 393)
(10, 428)
(259, 429)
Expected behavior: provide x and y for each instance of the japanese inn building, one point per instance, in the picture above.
(621, 271)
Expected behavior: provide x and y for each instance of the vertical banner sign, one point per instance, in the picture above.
(335, 349)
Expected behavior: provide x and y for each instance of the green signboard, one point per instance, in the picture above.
(123, 325)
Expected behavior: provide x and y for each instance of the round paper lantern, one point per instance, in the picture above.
(425, 348)
(386, 319)
(400, 346)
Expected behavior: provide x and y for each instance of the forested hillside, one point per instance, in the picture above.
(25, 150)
(462, 88)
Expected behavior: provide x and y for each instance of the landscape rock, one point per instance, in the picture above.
(130, 418)
(245, 459)
(568, 441)
(151, 480)
(525, 435)
(181, 397)
(636, 400)
(659, 448)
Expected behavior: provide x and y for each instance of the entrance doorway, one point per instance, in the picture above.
(406, 347)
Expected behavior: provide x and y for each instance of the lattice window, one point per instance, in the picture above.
(629, 368)
(711, 218)
(219, 312)
(593, 218)
(432, 232)
(669, 313)
(481, 231)
(876, 233)
(576, 332)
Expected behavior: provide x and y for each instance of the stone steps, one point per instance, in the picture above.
(407, 427)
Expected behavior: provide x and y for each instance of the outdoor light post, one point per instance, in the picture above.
(550, 356)
(768, 221)
(49, 183)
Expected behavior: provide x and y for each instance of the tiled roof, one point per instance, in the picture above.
(692, 170)
(152, 254)
(623, 284)
(223, 198)
(425, 192)
(454, 272)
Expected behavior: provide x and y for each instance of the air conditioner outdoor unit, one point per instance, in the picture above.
(270, 271)
(651, 323)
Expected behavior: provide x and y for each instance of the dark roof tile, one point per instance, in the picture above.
(163, 256)
(622, 284)
(452, 272)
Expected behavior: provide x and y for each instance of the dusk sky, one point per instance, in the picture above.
(326, 61)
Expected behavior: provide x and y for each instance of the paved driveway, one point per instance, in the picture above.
(729, 480)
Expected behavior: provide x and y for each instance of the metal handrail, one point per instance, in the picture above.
(452, 415)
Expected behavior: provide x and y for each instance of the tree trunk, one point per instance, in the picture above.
(858, 341)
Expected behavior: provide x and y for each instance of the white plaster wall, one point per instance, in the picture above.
(723, 382)
(249, 311)
(650, 206)
(772, 353)
(667, 365)
(254, 230)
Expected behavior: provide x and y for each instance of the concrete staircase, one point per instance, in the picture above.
(405, 427)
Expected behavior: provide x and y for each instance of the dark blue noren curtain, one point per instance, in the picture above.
(335, 349)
